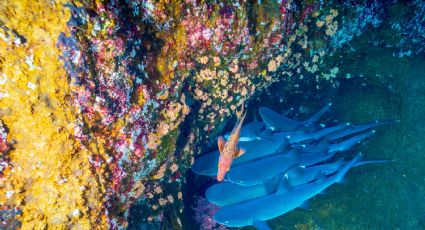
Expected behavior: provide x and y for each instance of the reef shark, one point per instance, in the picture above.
(254, 172)
(230, 149)
(207, 163)
(257, 211)
(228, 193)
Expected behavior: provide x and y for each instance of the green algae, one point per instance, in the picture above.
(167, 146)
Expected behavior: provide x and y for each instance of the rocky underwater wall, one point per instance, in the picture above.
(105, 104)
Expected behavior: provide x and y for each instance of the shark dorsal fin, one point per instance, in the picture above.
(294, 151)
(294, 173)
(283, 186)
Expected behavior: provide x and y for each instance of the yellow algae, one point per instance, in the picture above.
(51, 181)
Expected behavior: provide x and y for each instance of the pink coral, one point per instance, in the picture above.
(204, 212)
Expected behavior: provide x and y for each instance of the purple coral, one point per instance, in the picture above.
(204, 212)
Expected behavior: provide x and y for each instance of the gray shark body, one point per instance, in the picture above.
(207, 163)
(269, 207)
(254, 172)
(228, 193)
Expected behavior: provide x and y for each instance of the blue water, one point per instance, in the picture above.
(382, 87)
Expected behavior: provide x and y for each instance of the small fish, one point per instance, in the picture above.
(230, 149)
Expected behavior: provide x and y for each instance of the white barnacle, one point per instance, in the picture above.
(31, 85)
(76, 212)
(3, 78)
(4, 94)
(29, 60)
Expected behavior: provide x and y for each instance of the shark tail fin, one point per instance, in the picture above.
(359, 163)
(340, 175)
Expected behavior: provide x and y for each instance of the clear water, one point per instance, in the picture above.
(382, 87)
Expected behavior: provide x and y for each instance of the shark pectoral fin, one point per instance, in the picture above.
(221, 143)
(261, 225)
(240, 152)
(305, 205)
